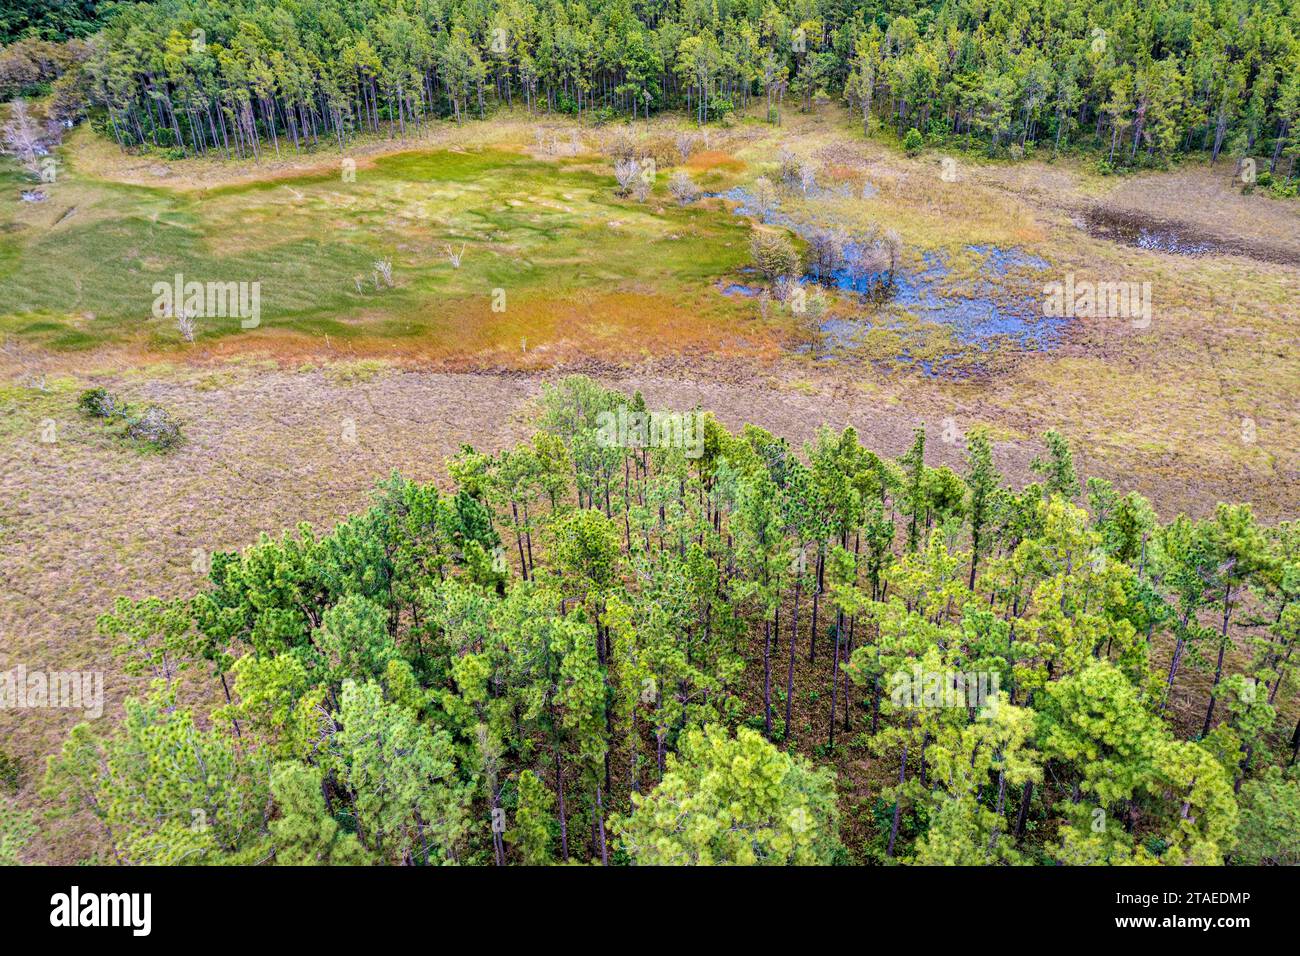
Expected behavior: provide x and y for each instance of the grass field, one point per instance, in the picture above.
(1199, 406)
(574, 262)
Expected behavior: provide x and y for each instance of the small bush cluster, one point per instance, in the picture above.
(11, 773)
(97, 403)
(155, 426)
(152, 426)
(1279, 187)
(683, 188)
(773, 254)
(625, 144)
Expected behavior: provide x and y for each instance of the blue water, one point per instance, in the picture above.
(1001, 307)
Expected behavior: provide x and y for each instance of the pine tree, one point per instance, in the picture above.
(303, 833)
(732, 800)
(533, 819)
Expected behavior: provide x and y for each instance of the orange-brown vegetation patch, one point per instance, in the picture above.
(715, 159)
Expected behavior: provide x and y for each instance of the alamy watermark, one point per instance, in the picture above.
(967, 689)
(632, 429)
(74, 909)
(21, 689)
(1085, 299)
(212, 300)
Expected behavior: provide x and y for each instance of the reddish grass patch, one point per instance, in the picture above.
(711, 159)
(615, 329)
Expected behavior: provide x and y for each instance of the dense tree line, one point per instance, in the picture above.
(50, 19)
(32, 66)
(587, 649)
(1141, 81)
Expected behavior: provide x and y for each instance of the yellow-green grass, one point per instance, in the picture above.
(578, 268)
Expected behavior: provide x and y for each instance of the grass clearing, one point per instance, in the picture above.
(540, 231)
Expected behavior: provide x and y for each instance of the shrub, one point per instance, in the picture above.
(155, 426)
(683, 188)
(763, 198)
(564, 103)
(98, 403)
(627, 172)
(788, 168)
(662, 149)
(719, 108)
(11, 772)
(620, 145)
(913, 141)
(773, 254)
(625, 145)
(686, 144)
(938, 128)
(1275, 185)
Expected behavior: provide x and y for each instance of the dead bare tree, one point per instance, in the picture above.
(807, 178)
(22, 137)
(683, 188)
(628, 173)
(762, 198)
(826, 251)
(686, 143)
(185, 323)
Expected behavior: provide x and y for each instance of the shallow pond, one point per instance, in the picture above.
(999, 305)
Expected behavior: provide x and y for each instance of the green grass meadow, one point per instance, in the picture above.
(77, 270)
